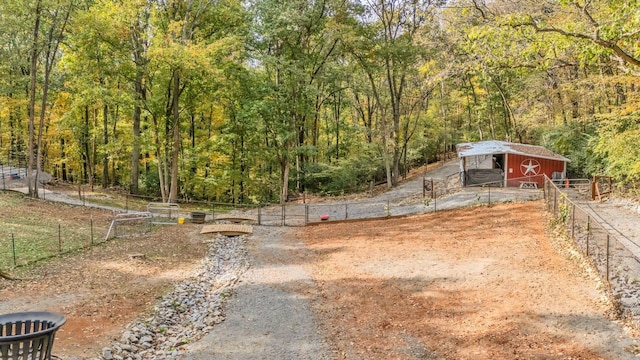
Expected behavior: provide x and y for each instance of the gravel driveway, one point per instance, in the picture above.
(268, 317)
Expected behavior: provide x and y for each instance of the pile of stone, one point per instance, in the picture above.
(189, 311)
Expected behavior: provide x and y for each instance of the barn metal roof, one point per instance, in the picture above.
(492, 147)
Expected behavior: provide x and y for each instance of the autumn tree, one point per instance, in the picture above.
(390, 51)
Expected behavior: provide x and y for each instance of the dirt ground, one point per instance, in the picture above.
(103, 289)
(478, 283)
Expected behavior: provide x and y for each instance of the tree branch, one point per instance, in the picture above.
(623, 55)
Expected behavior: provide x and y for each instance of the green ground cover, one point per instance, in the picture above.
(31, 230)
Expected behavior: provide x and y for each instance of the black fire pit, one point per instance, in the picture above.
(28, 335)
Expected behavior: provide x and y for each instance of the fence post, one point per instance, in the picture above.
(346, 211)
(13, 248)
(259, 214)
(489, 195)
(91, 222)
(126, 206)
(607, 257)
(588, 231)
(573, 221)
(388, 208)
(282, 218)
(433, 188)
(59, 240)
(306, 215)
(555, 202)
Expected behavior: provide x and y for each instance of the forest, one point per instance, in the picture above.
(253, 101)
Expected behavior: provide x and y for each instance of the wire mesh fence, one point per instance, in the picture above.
(20, 248)
(412, 204)
(615, 257)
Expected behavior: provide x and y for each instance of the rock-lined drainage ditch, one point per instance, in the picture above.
(189, 311)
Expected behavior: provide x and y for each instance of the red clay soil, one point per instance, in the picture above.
(479, 283)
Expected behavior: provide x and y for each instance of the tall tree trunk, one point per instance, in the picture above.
(284, 179)
(135, 150)
(105, 134)
(443, 108)
(336, 115)
(32, 100)
(114, 176)
(173, 191)
(86, 161)
(64, 161)
(140, 62)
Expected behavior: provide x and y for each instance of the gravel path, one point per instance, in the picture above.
(268, 317)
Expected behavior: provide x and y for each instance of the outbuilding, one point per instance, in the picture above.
(508, 164)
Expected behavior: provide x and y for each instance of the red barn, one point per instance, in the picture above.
(508, 164)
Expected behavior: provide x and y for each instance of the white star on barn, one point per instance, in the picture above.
(530, 168)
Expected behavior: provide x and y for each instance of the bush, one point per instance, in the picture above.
(348, 175)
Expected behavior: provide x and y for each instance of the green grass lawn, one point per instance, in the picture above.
(34, 229)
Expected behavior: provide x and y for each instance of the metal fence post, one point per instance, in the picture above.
(282, 217)
(306, 215)
(588, 231)
(13, 248)
(388, 208)
(607, 257)
(126, 206)
(91, 222)
(59, 240)
(573, 221)
(489, 195)
(555, 202)
(346, 211)
(259, 214)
